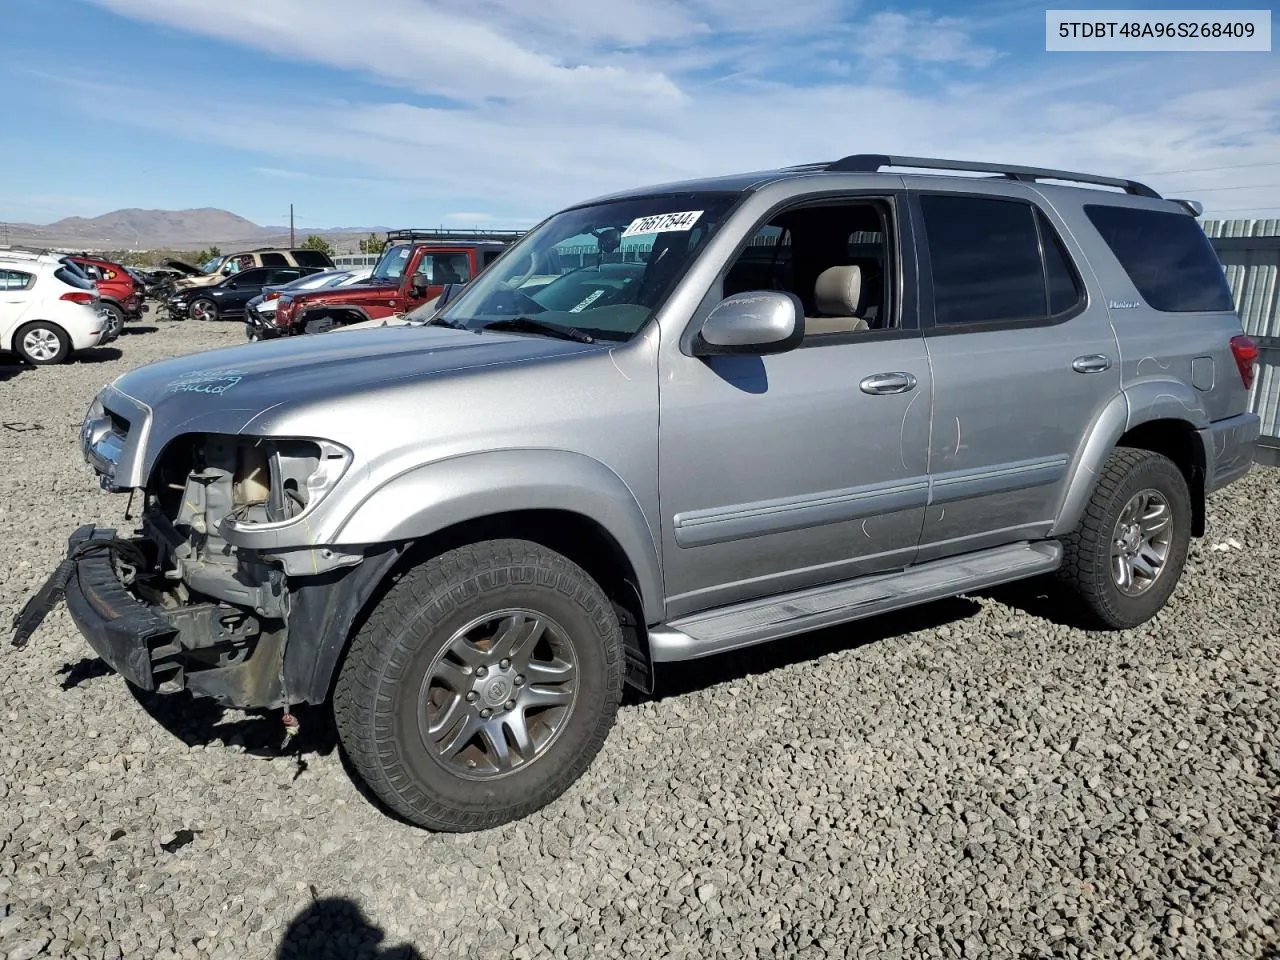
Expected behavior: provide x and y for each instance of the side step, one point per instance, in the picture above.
(758, 621)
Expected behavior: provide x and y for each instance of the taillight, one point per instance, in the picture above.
(75, 296)
(1245, 350)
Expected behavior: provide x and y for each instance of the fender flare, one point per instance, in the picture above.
(431, 498)
(1136, 404)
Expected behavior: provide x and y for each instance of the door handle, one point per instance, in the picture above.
(1093, 363)
(885, 384)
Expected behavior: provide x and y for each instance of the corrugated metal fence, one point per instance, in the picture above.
(1250, 252)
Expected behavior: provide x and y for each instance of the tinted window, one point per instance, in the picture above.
(1166, 255)
(274, 260)
(252, 278)
(311, 258)
(287, 275)
(1065, 289)
(491, 255)
(15, 280)
(986, 259)
(73, 278)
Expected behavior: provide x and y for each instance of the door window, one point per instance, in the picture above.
(834, 257)
(995, 260)
(15, 280)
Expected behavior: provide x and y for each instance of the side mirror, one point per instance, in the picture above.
(757, 322)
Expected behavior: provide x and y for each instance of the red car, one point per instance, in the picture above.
(414, 269)
(120, 296)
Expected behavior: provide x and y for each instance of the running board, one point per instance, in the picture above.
(758, 621)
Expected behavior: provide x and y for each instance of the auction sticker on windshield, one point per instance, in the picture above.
(662, 223)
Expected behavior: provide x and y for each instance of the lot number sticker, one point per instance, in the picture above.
(662, 223)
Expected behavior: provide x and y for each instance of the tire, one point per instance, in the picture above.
(114, 317)
(1095, 553)
(203, 309)
(321, 324)
(42, 343)
(406, 679)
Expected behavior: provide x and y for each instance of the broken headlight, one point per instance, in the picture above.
(277, 480)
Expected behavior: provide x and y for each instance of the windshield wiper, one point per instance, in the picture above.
(442, 322)
(540, 326)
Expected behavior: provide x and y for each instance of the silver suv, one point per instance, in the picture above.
(667, 423)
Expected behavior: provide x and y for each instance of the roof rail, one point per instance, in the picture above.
(456, 236)
(872, 162)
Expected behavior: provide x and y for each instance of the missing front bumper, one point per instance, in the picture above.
(212, 650)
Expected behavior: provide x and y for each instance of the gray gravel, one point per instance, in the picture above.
(968, 780)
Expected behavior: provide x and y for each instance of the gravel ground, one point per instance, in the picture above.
(967, 780)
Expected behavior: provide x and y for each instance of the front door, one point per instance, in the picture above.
(1023, 362)
(787, 471)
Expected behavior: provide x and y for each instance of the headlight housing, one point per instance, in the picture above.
(280, 480)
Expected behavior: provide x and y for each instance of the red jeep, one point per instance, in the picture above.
(120, 297)
(414, 269)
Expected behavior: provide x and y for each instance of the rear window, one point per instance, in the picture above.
(312, 258)
(1166, 255)
(274, 260)
(72, 279)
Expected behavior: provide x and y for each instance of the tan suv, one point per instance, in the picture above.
(219, 268)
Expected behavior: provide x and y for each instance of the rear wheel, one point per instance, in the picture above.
(114, 318)
(42, 343)
(482, 685)
(1125, 558)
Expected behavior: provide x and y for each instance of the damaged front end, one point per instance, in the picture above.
(199, 599)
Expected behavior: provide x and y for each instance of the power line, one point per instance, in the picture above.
(1208, 212)
(1243, 186)
(1237, 166)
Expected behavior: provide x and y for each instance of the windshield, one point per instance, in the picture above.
(210, 266)
(393, 263)
(602, 269)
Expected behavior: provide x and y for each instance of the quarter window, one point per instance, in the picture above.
(994, 261)
(274, 260)
(15, 280)
(1166, 255)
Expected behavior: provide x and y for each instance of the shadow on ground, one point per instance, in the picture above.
(138, 328)
(198, 721)
(336, 927)
(97, 355)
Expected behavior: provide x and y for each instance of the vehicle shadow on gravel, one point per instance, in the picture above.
(1041, 599)
(337, 927)
(97, 355)
(678, 679)
(10, 367)
(201, 722)
(139, 328)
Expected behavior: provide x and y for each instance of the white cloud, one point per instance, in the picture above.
(551, 102)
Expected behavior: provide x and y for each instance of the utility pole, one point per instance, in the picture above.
(292, 242)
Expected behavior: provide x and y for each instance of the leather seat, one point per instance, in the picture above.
(841, 298)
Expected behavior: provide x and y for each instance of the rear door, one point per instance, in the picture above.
(15, 298)
(1023, 356)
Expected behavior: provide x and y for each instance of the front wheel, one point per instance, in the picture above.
(1125, 558)
(204, 309)
(482, 685)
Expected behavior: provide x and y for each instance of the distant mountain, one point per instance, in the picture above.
(168, 229)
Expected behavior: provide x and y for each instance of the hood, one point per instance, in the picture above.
(182, 267)
(221, 391)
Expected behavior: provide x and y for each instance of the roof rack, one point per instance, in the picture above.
(456, 236)
(872, 162)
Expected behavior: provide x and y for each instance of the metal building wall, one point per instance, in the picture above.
(1250, 253)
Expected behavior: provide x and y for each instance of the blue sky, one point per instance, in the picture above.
(417, 112)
